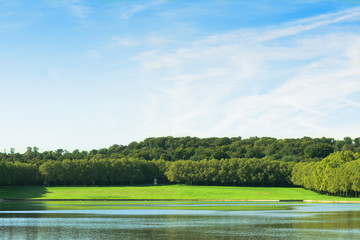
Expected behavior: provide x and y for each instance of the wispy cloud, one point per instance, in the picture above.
(215, 86)
(129, 12)
(10, 26)
(135, 69)
(78, 8)
(124, 41)
(284, 30)
(312, 23)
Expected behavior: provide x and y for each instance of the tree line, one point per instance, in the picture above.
(337, 174)
(322, 164)
(129, 171)
(196, 149)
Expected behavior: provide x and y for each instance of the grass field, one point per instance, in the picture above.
(165, 192)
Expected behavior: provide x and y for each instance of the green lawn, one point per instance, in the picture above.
(166, 192)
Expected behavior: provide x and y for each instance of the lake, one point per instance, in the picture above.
(178, 220)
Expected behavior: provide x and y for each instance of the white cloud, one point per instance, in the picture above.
(238, 84)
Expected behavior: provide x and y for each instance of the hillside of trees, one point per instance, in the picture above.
(196, 149)
(324, 165)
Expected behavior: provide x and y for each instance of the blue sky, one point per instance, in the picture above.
(88, 74)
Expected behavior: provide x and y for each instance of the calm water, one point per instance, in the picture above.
(181, 220)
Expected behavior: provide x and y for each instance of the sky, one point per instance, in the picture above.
(78, 74)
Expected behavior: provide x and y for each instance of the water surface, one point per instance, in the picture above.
(178, 220)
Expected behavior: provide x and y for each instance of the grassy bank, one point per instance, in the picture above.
(166, 192)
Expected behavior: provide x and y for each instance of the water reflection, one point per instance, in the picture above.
(295, 221)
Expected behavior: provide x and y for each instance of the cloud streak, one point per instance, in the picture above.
(128, 13)
(312, 23)
(77, 8)
(215, 86)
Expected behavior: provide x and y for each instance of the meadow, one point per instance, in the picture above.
(166, 192)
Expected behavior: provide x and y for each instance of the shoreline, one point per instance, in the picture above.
(173, 200)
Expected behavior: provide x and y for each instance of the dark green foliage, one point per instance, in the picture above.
(192, 148)
(318, 150)
(124, 171)
(129, 171)
(17, 173)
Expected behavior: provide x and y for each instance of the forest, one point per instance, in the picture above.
(324, 165)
